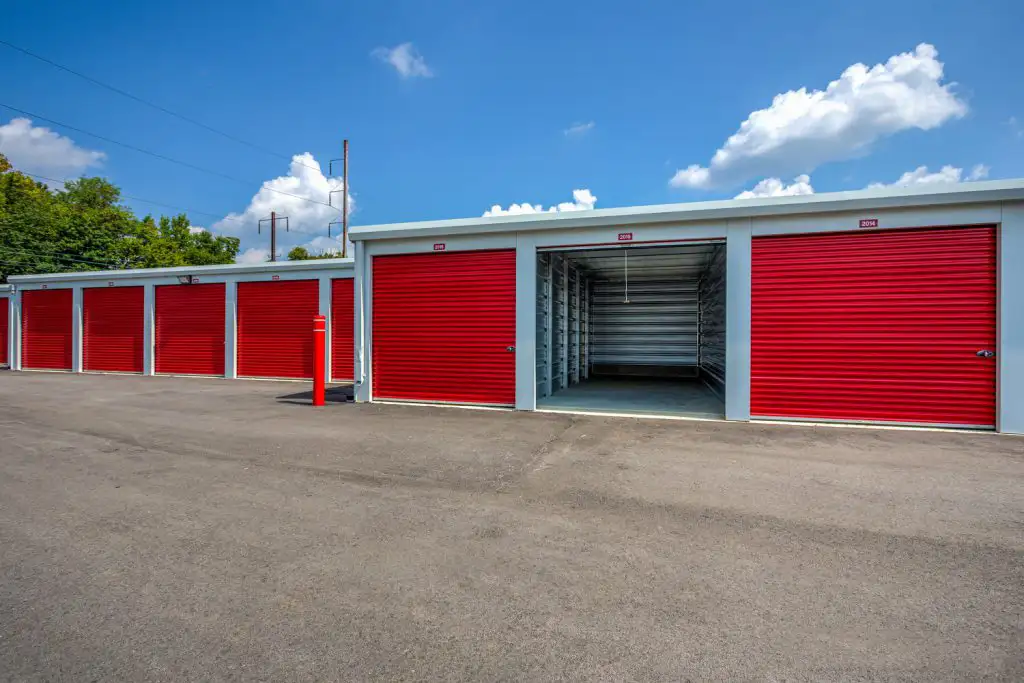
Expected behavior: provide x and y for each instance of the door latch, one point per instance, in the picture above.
(985, 353)
(510, 348)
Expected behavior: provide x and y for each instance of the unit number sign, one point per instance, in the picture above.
(625, 236)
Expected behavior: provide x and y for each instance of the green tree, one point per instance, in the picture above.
(84, 226)
(302, 254)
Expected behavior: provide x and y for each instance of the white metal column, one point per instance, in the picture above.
(526, 324)
(14, 328)
(1010, 380)
(76, 329)
(737, 323)
(148, 321)
(363, 285)
(230, 329)
(325, 310)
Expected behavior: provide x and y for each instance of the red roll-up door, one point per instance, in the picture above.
(275, 328)
(878, 326)
(46, 329)
(189, 330)
(5, 326)
(342, 334)
(443, 324)
(112, 328)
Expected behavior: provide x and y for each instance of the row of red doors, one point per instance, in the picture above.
(274, 328)
(881, 326)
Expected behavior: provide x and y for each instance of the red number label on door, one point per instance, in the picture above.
(625, 236)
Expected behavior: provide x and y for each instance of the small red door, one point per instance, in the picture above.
(891, 326)
(342, 333)
(444, 327)
(112, 329)
(46, 326)
(189, 330)
(275, 328)
(5, 324)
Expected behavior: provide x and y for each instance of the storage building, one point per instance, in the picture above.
(889, 306)
(217, 321)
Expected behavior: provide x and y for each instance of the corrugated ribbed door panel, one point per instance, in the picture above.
(5, 326)
(442, 326)
(275, 328)
(189, 329)
(342, 333)
(112, 328)
(46, 325)
(876, 326)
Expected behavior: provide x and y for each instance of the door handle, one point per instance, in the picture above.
(985, 353)
(510, 348)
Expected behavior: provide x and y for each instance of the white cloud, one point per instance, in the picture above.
(803, 129)
(302, 196)
(922, 177)
(253, 255)
(405, 59)
(774, 187)
(579, 128)
(583, 200)
(36, 149)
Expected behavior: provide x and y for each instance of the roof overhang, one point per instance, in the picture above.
(858, 201)
(229, 269)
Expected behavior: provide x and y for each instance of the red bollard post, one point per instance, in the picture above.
(319, 345)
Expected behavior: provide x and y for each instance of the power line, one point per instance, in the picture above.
(56, 255)
(148, 201)
(162, 156)
(158, 107)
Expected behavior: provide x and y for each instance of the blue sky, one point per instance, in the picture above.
(658, 87)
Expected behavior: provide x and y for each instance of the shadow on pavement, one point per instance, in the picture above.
(341, 394)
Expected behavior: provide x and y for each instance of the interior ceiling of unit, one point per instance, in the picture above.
(682, 261)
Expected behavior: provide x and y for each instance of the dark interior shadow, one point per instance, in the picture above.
(342, 394)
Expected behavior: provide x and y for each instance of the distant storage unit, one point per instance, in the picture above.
(189, 329)
(219, 321)
(342, 338)
(47, 329)
(275, 322)
(112, 329)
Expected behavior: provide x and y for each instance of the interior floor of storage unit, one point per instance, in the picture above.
(638, 396)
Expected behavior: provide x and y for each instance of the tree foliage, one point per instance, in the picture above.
(84, 226)
(302, 254)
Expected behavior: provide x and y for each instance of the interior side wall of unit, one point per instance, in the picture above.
(563, 307)
(651, 329)
(711, 350)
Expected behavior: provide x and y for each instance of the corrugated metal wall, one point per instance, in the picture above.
(657, 327)
(711, 350)
(543, 325)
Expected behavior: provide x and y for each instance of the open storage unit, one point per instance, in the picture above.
(632, 329)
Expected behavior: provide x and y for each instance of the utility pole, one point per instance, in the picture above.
(273, 235)
(273, 231)
(344, 197)
(344, 200)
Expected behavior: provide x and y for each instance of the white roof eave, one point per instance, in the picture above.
(228, 269)
(858, 200)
